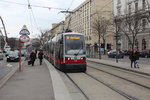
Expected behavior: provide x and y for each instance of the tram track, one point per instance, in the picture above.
(77, 86)
(129, 97)
(139, 83)
(127, 94)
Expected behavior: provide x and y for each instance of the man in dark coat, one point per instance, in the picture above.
(132, 58)
(40, 56)
(32, 57)
(137, 55)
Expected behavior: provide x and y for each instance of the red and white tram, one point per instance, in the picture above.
(67, 52)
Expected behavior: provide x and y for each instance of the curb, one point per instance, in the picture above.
(116, 66)
(60, 90)
(9, 75)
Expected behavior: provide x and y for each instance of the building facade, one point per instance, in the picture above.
(81, 20)
(134, 9)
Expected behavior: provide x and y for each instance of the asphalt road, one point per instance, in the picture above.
(6, 67)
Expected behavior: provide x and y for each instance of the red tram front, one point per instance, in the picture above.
(68, 52)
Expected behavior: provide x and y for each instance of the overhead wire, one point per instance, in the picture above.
(32, 5)
(67, 12)
(70, 5)
(31, 14)
(30, 17)
(106, 5)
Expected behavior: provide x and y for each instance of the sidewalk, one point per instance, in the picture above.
(38, 82)
(33, 83)
(144, 69)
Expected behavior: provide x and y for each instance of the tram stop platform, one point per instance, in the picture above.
(38, 82)
(44, 82)
(143, 68)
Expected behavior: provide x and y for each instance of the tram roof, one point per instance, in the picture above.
(72, 33)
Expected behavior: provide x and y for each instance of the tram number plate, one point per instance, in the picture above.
(75, 59)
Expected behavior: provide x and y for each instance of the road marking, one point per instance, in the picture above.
(9, 65)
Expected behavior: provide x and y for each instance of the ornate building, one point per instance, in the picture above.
(134, 17)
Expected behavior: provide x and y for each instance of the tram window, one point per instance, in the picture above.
(74, 45)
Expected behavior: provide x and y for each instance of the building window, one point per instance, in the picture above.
(143, 23)
(136, 44)
(144, 4)
(129, 8)
(136, 6)
(90, 38)
(119, 11)
(129, 45)
(119, 2)
(143, 44)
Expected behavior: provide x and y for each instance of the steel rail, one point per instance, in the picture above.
(129, 97)
(147, 87)
(77, 86)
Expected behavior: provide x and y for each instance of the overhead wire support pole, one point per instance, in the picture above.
(4, 29)
(71, 12)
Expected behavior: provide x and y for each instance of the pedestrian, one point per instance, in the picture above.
(40, 56)
(32, 57)
(137, 55)
(132, 58)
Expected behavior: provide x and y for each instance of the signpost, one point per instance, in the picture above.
(24, 31)
(24, 38)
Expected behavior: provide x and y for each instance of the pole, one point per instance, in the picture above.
(116, 40)
(99, 47)
(4, 29)
(117, 47)
(20, 67)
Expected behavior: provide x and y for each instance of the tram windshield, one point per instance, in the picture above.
(74, 45)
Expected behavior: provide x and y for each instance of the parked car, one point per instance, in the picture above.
(13, 56)
(113, 54)
(23, 52)
(145, 53)
(127, 52)
(6, 54)
(1, 55)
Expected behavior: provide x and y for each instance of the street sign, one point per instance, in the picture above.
(24, 31)
(24, 38)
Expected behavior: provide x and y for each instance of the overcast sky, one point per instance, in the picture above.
(15, 14)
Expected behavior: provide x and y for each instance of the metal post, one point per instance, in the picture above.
(4, 29)
(20, 67)
(99, 48)
(116, 40)
(117, 47)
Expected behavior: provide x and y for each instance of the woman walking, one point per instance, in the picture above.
(40, 56)
(32, 57)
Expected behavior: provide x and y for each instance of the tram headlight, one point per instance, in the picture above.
(68, 58)
(82, 58)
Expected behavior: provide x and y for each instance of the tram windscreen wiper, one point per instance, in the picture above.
(78, 52)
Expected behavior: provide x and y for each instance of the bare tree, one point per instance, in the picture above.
(42, 37)
(130, 25)
(100, 25)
